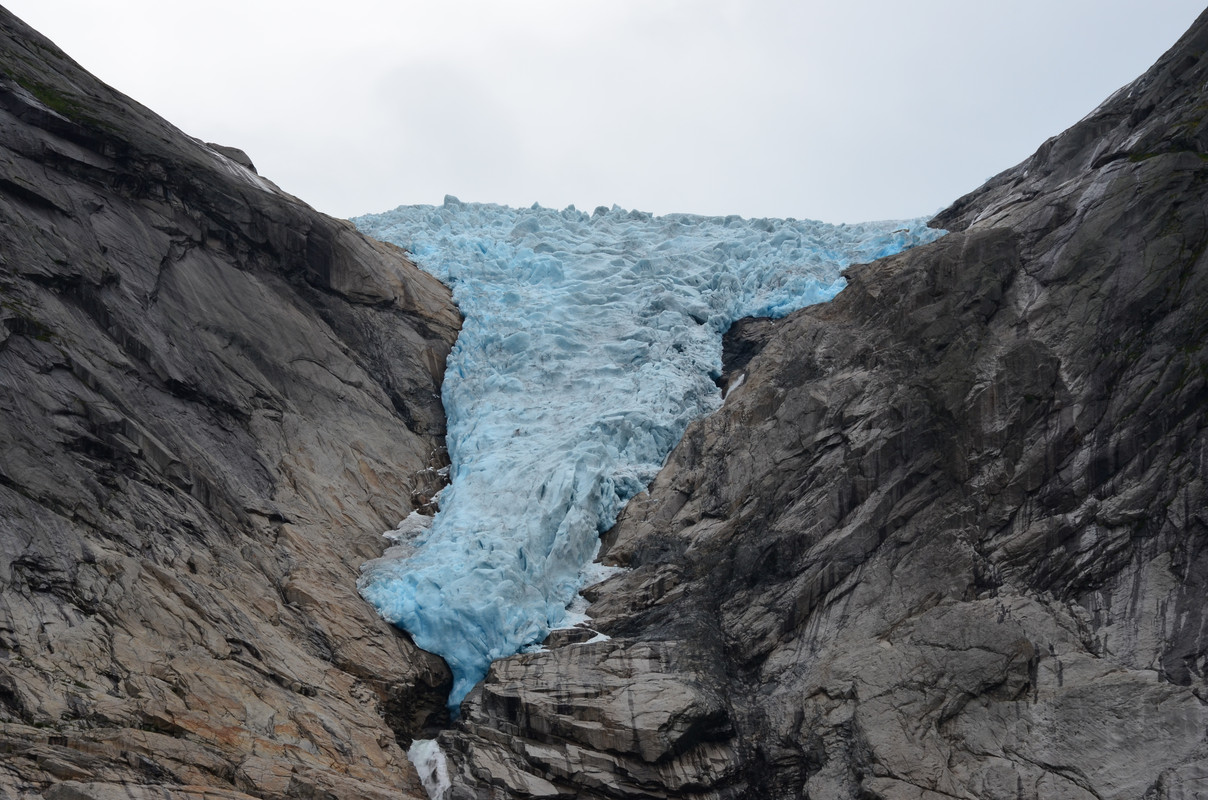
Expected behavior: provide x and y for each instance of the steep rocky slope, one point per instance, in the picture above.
(945, 539)
(211, 400)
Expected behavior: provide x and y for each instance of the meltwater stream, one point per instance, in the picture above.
(590, 342)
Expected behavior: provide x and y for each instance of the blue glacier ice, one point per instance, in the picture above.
(590, 342)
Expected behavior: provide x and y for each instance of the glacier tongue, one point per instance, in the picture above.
(589, 344)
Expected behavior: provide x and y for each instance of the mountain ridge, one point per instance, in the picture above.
(214, 399)
(945, 537)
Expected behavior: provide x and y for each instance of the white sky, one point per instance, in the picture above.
(842, 111)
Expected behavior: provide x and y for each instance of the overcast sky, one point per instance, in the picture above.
(842, 111)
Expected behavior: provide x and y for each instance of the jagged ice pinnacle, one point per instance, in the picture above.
(589, 344)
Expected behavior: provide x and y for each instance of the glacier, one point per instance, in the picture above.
(590, 342)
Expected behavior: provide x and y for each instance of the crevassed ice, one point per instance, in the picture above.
(590, 342)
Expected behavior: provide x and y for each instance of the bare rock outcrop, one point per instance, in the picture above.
(212, 399)
(946, 538)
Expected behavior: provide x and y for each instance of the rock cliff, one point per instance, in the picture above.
(212, 399)
(946, 537)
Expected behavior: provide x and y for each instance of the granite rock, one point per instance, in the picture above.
(212, 401)
(946, 536)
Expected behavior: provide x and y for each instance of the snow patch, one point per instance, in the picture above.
(433, 769)
(739, 381)
(409, 528)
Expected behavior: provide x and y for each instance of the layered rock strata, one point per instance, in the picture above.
(212, 399)
(946, 537)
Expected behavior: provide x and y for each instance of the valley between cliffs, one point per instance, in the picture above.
(945, 538)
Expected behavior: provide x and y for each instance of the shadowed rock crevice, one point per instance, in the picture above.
(212, 400)
(946, 536)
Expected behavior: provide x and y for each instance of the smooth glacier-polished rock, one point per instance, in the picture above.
(212, 400)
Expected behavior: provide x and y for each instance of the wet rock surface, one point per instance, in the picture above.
(946, 537)
(212, 399)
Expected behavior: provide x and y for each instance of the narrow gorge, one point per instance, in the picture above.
(943, 538)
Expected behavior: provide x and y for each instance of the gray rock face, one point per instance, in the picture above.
(946, 538)
(212, 398)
